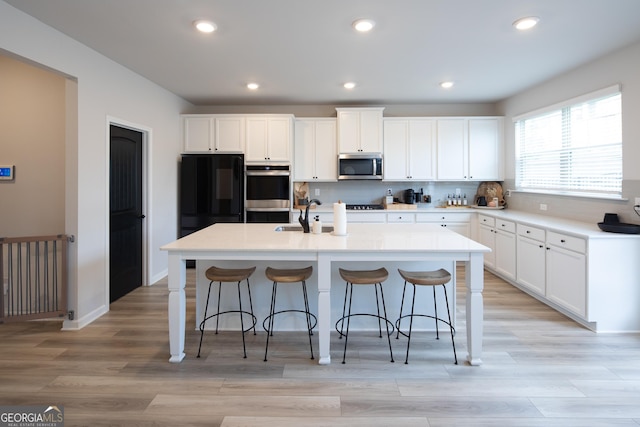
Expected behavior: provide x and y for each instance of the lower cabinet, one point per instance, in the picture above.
(588, 275)
(566, 272)
(531, 254)
(459, 222)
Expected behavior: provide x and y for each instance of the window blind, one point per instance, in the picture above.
(574, 148)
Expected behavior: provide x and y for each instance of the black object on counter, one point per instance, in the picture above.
(612, 224)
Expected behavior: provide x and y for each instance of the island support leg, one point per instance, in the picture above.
(474, 278)
(177, 307)
(324, 308)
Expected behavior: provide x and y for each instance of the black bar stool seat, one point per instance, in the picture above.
(426, 278)
(290, 275)
(229, 275)
(363, 277)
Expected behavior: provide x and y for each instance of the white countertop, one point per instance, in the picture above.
(361, 238)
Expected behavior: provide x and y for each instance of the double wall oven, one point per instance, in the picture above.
(268, 192)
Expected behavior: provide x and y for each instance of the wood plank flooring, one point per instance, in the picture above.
(540, 369)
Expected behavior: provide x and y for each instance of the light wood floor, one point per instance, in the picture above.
(540, 369)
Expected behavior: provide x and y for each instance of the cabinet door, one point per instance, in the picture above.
(531, 265)
(485, 149)
(486, 236)
(304, 151)
(505, 253)
(256, 144)
(326, 154)
(566, 279)
(279, 139)
(198, 133)
(371, 131)
(229, 134)
(421, 149)
(396, 141)
(349, 131)
(451, 143)
(459, 227)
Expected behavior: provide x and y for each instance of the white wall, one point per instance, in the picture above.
(104, 89)
(620, 67)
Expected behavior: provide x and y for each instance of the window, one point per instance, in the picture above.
(574, 147)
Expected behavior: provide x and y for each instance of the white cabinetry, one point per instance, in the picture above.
(372, 217)
(269, 138)
(588, 275)
(213, 133)
(531, 253)
(470, 148)
(460, 222)
(486, 236)
(505, 245)
(409, 149)
(359, 130)
(315, 150)
(566, 272)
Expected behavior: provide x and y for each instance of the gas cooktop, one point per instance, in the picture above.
(364, 207)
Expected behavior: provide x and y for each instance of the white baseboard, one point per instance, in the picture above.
(164, 273)
(76, 324)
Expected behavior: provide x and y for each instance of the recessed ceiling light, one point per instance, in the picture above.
(446, 85)
(349, 85)
(363, 25)
(253, 86)
(205, 26)
(526, 23)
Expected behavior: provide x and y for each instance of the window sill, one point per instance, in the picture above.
(610, 197)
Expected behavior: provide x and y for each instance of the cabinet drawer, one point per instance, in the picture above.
(486, 220)
(531, 232)
(505, 225)
(568, 242)
(443, 217)
(401, 217)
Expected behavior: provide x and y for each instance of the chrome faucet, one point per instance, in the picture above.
(305, 221)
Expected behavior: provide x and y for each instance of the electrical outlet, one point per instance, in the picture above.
(317, 192)
(507, 193)
(457, 191)
(543, 206)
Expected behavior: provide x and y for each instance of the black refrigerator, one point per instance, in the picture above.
(211, 190)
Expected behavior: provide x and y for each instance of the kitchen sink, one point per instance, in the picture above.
(325, 228)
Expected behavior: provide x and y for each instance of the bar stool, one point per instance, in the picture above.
(279, 275)
(221, 275)
(363, 277)
(426, 278)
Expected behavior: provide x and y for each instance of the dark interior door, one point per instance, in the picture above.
(125, 210)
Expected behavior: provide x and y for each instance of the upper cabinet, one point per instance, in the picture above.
(315, 150)
(268, 138)
(470, 148)
(219, 133)
(359, 130)
(409, 149)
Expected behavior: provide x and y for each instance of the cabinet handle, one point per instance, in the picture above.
(548, 248)
(541, 246)
(562, 241)
(528, 231)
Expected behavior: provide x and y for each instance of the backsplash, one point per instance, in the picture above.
(373, 192)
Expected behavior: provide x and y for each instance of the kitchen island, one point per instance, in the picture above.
(381, 243)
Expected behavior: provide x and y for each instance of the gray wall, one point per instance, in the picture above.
(621, 68)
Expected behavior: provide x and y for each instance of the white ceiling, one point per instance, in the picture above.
(302, 51)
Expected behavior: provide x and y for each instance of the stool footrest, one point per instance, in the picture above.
(254, 319)
(453, 330)
(342, 319)
(313, 316)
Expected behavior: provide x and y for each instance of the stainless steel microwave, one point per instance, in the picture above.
(360, 166)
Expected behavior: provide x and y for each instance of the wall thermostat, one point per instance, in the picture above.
(6, 172)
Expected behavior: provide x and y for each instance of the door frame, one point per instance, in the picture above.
(146, 197)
